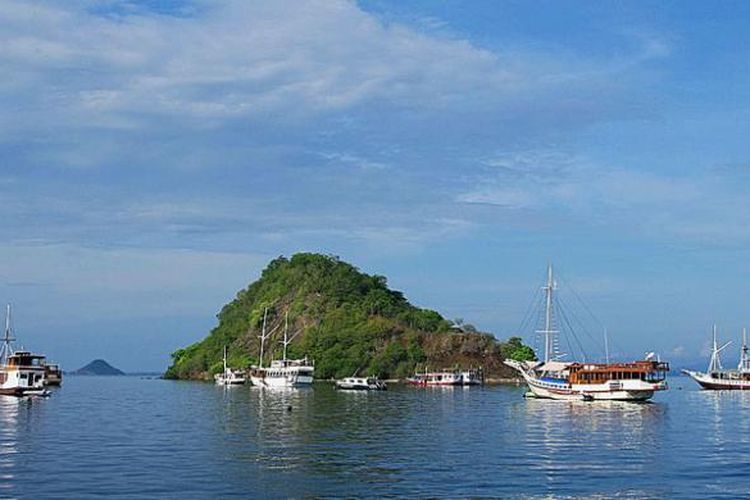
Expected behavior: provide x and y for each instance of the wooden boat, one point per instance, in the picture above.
(718, 378)
(52, 375)
(361, 384)
(554, 379)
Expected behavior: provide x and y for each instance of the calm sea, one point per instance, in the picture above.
(127, 437)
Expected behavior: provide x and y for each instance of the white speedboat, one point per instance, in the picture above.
(554, 379)
(472, 377)
(229, 376)
(282, 373)
(361, 384)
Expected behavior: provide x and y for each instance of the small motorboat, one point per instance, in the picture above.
(361, 384)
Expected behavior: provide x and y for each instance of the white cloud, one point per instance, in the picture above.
(698, 207)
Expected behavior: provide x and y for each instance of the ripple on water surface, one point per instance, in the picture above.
(126, 436)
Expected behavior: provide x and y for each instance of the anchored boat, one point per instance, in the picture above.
(555, 379)
(718, 378)
(282, 372)
(21, 372)
(229, 376)
(361, 384)
(445, 377)
(52, 374)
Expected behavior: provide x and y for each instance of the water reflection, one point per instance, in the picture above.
(9, 410)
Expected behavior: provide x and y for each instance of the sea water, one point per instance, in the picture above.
(129, 437)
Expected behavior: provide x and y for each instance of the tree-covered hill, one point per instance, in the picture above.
(348, 322)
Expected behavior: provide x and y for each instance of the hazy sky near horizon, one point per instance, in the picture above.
(155, 155)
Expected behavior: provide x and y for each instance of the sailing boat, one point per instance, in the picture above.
(572, 380)
(716, 377)
(282, 372)
(21, 372)
(229, 376)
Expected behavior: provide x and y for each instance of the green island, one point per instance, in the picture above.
(347, 322)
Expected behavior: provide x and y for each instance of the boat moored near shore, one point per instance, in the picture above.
(361, 384)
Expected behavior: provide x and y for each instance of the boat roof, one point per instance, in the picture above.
(27, 354)
(554, 366)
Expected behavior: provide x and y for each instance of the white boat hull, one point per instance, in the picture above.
(718, 384)
(613, 390)
(281, 382)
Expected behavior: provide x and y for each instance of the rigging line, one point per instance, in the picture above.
(564, 317)
(567, 336)
(585, 307)
(583, 327)
(529, 312)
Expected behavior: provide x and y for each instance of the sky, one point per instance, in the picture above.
(155, 155)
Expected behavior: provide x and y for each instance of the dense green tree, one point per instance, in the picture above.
(349, 322)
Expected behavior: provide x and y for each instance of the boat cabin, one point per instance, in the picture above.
(25, 359)
(599, 373)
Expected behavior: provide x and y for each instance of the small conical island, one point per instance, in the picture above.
(347, 321)
(98, 367)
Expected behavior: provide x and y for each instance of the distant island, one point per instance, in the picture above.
(98, 367)
(348, 322)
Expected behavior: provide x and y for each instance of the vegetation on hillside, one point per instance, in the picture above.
(348, 322)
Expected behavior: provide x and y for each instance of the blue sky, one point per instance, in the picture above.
(155, 155)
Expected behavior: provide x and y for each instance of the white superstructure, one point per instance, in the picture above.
(282, 372)
(229, 376)
(21, 372)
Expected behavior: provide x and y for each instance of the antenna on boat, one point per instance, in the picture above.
(549, 334)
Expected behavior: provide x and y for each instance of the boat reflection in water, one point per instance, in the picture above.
(9, 409)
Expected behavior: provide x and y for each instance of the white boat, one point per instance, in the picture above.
(282, 373)
(361, 384)
(554, 379)
(21, 372)
(229, 376)
(441, 378)
(472, 377)
(718, 378)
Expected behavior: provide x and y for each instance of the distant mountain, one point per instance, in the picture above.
(98, 367)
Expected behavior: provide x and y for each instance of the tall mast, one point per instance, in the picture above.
(714, 365)
(606, 346)
(225, 359)
(7, 348)
(744, 359)
(263, 338)
(549, 344)
(286, 333)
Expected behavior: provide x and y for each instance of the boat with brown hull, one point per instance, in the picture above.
(716, 377)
